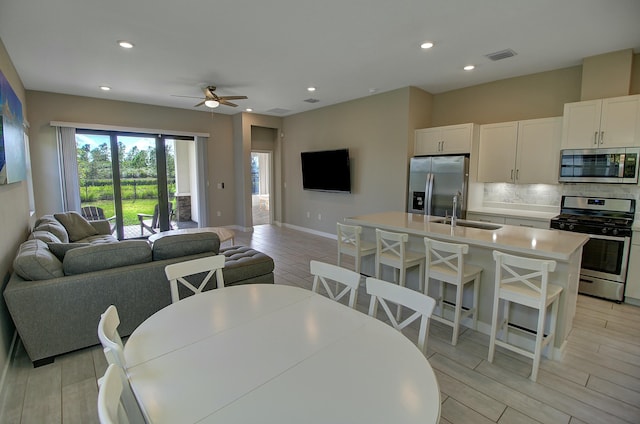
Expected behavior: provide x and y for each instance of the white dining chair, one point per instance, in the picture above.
(524, 281)
(116, 402)
(350, 244)
(110, 338)
(421, 305)
(445, 263)
(178, 271)
(391, 250)
(324, 273)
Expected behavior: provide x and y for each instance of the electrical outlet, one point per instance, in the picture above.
(219, 213)
(319, 217)
(308, 214)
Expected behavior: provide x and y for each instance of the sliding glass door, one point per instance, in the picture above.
(129, 179)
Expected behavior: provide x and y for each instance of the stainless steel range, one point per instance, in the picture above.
(605, 256)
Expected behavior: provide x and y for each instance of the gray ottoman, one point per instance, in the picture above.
(244, 265)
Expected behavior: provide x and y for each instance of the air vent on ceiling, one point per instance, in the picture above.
(503, 54)
(278, 111)
(311, 100)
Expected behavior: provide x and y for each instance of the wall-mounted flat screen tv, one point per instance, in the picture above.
(326, 170)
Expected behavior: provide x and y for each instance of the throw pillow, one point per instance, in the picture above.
(106, 256)
(35, 262)
(60, 249)
(179, 245)
(45, 236)
(52, 226)
(75, 224)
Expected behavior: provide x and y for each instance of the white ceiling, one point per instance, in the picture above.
(271, 50)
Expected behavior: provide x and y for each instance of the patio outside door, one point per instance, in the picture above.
(127, 175)
(261, 188)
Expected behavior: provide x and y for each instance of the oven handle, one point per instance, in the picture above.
(603, 237)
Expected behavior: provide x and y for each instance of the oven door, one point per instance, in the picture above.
(604, 266)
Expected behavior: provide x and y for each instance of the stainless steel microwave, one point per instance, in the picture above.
(617, 165)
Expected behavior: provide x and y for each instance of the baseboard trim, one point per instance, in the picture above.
(310, 231)
(5, 370)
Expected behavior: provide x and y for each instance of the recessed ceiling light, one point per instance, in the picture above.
(105, 88)
(125, 44)
(469, 68)
(249, 109)
(311, 89)
(426, 45)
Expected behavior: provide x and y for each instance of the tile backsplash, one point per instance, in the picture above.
(550, 195)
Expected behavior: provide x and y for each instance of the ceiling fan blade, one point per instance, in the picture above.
(188, 97)
(200, 104)
(224, 102)
(233, 97)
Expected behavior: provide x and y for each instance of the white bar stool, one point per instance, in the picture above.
(445, 263)
(530, 288)
(391, 251)
(349, 243)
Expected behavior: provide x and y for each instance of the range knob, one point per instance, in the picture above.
(571, 227)
(561, 226)
(614, 232)
(604, 230)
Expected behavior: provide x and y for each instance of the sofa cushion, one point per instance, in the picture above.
(35, 262)
(61, 249)
(49, 223)
(98, 239)
(44, 236)
(105, 256)
(77, 227)
(175, 246)
(243, 263)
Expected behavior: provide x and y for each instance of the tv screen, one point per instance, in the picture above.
(326, 170)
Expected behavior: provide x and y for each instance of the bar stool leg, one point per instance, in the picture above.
(538, 348)
(505, 322)
(456, 317)
(552, 328)
(494, 327)
(476, 291)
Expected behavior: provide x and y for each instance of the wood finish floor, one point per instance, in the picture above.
(598, 381)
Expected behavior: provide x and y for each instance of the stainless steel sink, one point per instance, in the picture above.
(471, 224)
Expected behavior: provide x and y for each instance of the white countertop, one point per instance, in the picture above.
(551, 244)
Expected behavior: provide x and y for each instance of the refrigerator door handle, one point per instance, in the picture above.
(429, 193)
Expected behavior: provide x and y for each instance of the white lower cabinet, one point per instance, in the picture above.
(632, 289)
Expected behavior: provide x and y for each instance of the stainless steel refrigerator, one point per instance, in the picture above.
(433, 181)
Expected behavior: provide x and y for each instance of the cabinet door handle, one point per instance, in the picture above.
(517, 174)
(441, 146)
(511, 178)
(601, 137)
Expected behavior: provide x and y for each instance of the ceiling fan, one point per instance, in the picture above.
(212, 100)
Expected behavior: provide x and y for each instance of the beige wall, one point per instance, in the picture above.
(47, 107)
(376, 131)
(539, 95)
(420, 110)
(14, 216)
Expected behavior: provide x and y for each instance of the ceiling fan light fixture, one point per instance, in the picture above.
(211, 103)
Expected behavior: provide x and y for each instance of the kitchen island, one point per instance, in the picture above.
(563, 247)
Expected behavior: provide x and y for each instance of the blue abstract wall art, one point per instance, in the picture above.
(12, 154)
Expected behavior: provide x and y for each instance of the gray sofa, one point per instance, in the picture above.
(61, 285)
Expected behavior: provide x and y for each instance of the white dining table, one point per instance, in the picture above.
(265, 353)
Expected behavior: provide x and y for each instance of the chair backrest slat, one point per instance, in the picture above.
(177, 272)
(422, 305)
(324, 273)
(110, 338)
(116, 401)
(517, 268)
(389, 243)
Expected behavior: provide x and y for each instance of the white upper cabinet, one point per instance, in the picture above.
(602, 123)
(525, 152)
(451, 139)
